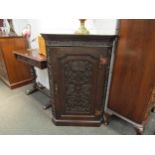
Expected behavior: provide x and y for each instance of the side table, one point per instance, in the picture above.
(34, 60)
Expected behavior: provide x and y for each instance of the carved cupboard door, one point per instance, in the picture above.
(78, 83)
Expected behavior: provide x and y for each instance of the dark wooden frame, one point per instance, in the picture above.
(139, 126)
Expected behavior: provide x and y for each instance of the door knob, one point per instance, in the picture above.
(103, 60)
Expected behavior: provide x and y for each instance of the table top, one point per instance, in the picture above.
(31, 55)
(32, 58)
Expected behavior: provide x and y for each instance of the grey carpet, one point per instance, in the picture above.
(23, 115)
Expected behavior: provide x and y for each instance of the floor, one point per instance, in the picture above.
(23, 115)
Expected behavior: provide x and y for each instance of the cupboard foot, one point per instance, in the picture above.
(153, 109)
(139, 131)
(106, 117)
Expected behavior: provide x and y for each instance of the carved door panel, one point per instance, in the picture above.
(79, 81)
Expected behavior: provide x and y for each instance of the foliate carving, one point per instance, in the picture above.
(78, 85)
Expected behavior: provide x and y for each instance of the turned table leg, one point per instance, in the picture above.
(37, 87)
(34, 88)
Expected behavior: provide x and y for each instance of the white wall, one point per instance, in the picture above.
(64, 26)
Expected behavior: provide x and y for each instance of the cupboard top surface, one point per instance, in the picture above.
(76, 37)
(79, 40)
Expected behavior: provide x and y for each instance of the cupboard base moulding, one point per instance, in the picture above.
(71, 122)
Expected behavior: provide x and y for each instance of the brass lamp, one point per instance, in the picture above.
(82, 29)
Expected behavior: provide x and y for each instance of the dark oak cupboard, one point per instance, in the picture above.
(132, 91)
(78, 68)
